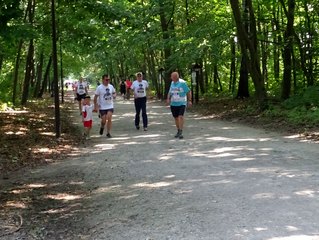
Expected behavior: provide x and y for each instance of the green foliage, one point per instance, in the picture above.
(124, 36)
(306, 99)
(5, 90)
(301, 109)
(9, 9)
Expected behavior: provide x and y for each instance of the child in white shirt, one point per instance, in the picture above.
(87, 116)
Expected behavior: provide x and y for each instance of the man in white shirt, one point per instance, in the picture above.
(103, 101)
(139, 87)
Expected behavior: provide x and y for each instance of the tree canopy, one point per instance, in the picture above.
(243, 48)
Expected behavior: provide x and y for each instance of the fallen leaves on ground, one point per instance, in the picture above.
(28, 135)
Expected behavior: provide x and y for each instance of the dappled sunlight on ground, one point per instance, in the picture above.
(221, 180)
(105, 146)
(63, 197)
(297, 237)
(238, 139)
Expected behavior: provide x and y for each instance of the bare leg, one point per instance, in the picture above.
(103, 120)
(109, 121)
(88, 132)
(179, 122)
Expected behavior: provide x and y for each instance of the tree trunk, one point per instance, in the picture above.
(29, 69)
(243, 91)
(61, 71)
(152, 69)
(55, 73)
(264, 48)
(16, 73)
(45, 78)
(201, 80)
(288, 48)
(28, 74)
(309, 46)
(215, 79)
(250, 42)
(233, 75)
(38, 75)
(277, 38)
(166, 25)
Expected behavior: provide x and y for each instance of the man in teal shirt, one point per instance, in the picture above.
(178, 97)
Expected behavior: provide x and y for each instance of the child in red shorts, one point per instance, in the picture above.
(87, 116)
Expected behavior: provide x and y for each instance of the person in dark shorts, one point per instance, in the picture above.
(103, 101)
(123, 89)
(81, 91)
(178, 97)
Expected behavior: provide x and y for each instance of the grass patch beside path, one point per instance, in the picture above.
(27, 136)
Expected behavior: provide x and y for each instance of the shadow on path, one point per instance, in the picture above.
(223, 181)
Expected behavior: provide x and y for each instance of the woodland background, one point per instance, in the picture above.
(252, 61)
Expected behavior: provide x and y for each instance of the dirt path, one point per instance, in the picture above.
(223, 181)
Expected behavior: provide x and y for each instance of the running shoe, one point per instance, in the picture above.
(177, 134)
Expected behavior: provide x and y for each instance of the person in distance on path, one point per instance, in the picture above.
(123, 89)
(178, 97)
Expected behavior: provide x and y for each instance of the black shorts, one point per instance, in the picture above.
(104, 112)
(178, 110)
(79, 97)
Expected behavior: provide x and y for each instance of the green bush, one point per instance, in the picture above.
(308, 98)
(5, 91)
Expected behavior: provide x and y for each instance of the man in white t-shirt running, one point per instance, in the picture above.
(139, 87)
(105, 93)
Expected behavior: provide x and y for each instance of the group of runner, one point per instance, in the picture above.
(178, 97)
(125, 89)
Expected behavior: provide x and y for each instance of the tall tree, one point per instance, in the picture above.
(29, 68)
(167, 25)
(243, 90)
(288, 48)
(252, 51)
(55, 73)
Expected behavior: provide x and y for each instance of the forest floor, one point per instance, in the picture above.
(28, 138)
(149, 185)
